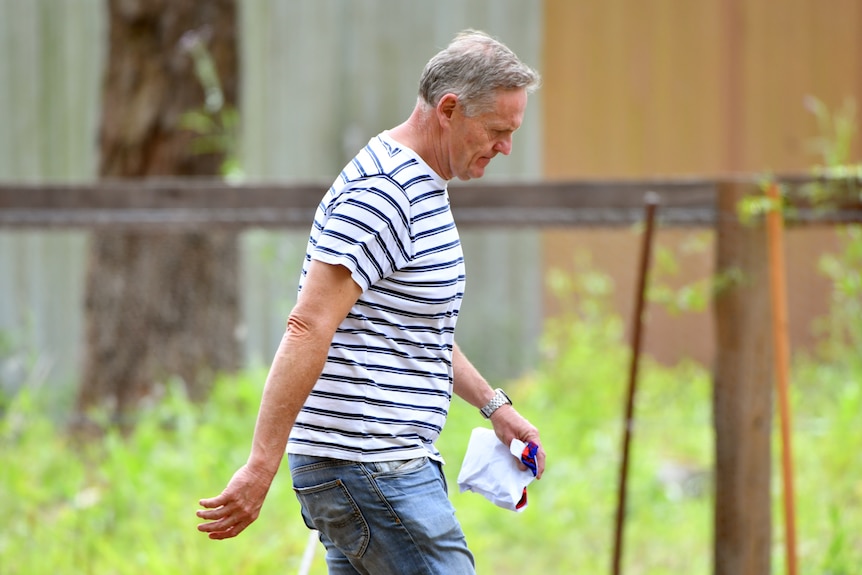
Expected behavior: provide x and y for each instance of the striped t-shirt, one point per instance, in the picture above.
(385, 389)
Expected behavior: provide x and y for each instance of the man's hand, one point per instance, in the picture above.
(238, 505)
(509, 425)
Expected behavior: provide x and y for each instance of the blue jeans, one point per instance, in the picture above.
(384, 518)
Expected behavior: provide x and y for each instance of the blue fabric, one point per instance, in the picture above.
(390, 517)
(528, 458)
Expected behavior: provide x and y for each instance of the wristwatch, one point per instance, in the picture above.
(500, 399)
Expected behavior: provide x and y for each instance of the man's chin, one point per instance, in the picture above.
(473, 174)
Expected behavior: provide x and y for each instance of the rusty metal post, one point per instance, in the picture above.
(637, 330)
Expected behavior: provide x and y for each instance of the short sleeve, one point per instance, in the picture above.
(367, 230)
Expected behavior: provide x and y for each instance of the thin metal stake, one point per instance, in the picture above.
(777, 284)
(651, 200)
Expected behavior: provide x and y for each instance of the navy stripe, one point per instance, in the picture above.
(402, 342)
(359, 452)
(359, 167)
(430, 214)
(363, 435)
(389, 369)
(367, 249)
(359, 270)
(414, 356)
(432, 195)
(440, 283)
(408, 164)
(417, 180)
(354, 416)
(415, 328)
(438, 249)
(434, 266)
(379, 403)
(436, 231)
(416, 315)
(406, 296)
(378, 166)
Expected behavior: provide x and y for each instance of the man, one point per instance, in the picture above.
(359, 388)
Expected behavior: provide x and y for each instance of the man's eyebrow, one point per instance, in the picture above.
(501, 127)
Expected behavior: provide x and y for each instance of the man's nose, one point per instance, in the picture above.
(504, 145)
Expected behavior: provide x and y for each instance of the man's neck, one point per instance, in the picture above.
(421, 133)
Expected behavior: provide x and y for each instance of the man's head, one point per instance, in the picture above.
(476, 91)
(474, 67)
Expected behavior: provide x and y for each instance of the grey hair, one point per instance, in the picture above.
(473, 67)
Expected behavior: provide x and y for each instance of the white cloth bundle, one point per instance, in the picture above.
(492, 470)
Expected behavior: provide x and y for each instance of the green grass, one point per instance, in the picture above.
(127, 505)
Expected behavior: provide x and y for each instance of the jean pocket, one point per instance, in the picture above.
(396, 467)
(333, 511)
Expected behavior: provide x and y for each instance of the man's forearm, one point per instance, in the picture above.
(295, 369)
(468, 383)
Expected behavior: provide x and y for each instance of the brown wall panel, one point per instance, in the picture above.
(645, 88)
(631, 89)
(661, 87)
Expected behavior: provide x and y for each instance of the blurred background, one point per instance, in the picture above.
(632, 90)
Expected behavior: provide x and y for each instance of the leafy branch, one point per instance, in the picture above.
(216, 123)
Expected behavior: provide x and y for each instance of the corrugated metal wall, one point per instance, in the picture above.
(322, 77)
(319, 78)
(50, 61)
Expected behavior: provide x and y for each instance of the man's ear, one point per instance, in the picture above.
(446, 107)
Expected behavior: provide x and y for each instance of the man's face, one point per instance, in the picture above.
(474, 141)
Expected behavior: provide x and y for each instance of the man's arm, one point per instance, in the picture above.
(508, 423)
(327, 295)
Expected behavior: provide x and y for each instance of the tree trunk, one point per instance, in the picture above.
(159, 304)
(742, 403)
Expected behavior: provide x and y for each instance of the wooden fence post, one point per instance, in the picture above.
(742, 393)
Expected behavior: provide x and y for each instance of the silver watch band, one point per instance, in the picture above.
(500, 399)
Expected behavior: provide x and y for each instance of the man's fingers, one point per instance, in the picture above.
(212, 514)
(227, 534)
(214, 502)
(540, 462)
(223, 524)
(224, 528)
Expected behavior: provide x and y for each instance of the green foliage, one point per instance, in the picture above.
(125, 505)
(753, 208)
(834, 141)
(826, 402)
(21, 366)
(837, 174)
(841, 330)
(664, 288)
(216, 124)
(692, 296)
(833, 147)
